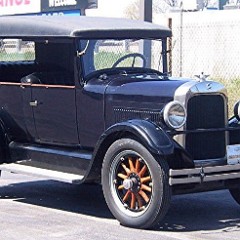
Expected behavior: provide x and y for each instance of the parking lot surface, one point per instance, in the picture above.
(34, 208)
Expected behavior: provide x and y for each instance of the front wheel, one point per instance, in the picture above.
(135, 185)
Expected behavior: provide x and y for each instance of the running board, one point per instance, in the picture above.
(39, 172)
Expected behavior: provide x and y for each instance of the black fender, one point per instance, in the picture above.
(234, 136)
(154, 138)
(4, 141)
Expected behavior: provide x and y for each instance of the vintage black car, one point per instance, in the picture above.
(90, 100)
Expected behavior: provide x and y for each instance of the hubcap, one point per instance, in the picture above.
(127, 184)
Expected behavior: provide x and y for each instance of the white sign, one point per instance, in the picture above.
(10, 7)
(233, 154)
(190, 4)
(61, 3)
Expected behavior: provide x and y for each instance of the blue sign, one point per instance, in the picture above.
(61, 13)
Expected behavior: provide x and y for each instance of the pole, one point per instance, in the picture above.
(146, 6)
(181, 43)
(170, 48)
(146, 15)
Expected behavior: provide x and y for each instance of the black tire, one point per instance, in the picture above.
(3, 148)
(135, 185)
(235, 192)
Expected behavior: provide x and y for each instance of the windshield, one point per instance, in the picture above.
(127, 53)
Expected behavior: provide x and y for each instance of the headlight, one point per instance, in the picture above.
(174, 115)
(237, 110)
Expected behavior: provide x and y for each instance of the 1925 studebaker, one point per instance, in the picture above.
(90, 100)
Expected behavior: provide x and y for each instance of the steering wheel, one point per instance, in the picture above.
(134, 56)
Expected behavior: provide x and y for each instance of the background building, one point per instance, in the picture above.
(46, 7)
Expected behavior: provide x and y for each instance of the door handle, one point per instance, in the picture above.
(33, 103)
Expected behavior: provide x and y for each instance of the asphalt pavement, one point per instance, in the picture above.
(37, 209)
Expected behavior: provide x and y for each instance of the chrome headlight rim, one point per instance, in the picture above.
(166, 115)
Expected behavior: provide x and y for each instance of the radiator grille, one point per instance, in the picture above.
(206, 112)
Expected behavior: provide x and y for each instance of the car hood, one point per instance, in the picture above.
(144, 88)
(133, 96)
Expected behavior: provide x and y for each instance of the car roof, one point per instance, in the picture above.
(79, 27)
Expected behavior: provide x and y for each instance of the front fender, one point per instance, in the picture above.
(234, 136)
(153, 137)
(150, 135)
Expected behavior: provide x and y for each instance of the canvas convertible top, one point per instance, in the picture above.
(79, 26)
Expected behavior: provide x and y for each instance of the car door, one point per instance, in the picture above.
(54, 110)
(53, 93)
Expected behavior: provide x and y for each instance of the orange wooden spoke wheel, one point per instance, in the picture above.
(135, 184)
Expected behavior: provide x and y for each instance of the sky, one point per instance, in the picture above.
(110, 8)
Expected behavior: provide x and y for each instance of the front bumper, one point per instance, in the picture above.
(204, 174)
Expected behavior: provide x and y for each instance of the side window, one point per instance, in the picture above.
(55, 63)
(37, 62)
(12, 50)
(17, 59)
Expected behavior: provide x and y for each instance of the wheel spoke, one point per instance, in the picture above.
(122, 176)
(145, 179)
(139, 200)
(133, 201)
(144, 196)
(146, 188)
(127, 170)
(132, 169)
(127, 195)
(137, 166)
(120, 187)
(143, 171)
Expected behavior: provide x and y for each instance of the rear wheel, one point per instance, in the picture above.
(135, 185)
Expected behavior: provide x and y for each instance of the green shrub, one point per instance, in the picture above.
(12, 57)
(233, 90)
(107, 59)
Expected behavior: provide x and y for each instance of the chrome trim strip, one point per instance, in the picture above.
(37, 85)
(216, 169)
(224, 176)
(10, 83)
(52, 86)
(206, 174)
(177, 181)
